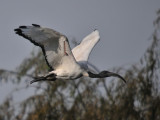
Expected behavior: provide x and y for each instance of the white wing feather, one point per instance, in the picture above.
(82, 51)
(54, 45)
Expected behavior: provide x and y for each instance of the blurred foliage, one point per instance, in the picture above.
(88, 99)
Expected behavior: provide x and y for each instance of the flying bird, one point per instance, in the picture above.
(64, 63)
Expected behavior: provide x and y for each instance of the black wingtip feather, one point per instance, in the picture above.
(35, 25)
(22, 26)
(18, 31)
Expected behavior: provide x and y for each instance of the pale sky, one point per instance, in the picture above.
(125, 27)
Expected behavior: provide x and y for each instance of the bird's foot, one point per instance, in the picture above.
(49, 77)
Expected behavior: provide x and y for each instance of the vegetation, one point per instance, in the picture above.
(87, 99)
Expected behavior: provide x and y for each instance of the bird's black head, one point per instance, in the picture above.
(104, 74)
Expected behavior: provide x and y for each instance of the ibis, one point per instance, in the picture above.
(65, 64)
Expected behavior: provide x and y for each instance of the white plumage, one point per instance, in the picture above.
(64, 63)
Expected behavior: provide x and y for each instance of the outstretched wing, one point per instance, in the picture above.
(54, 45)
(82, 51)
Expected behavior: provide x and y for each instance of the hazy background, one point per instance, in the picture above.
(125, 28)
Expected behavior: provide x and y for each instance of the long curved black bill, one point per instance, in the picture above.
(115, 75)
